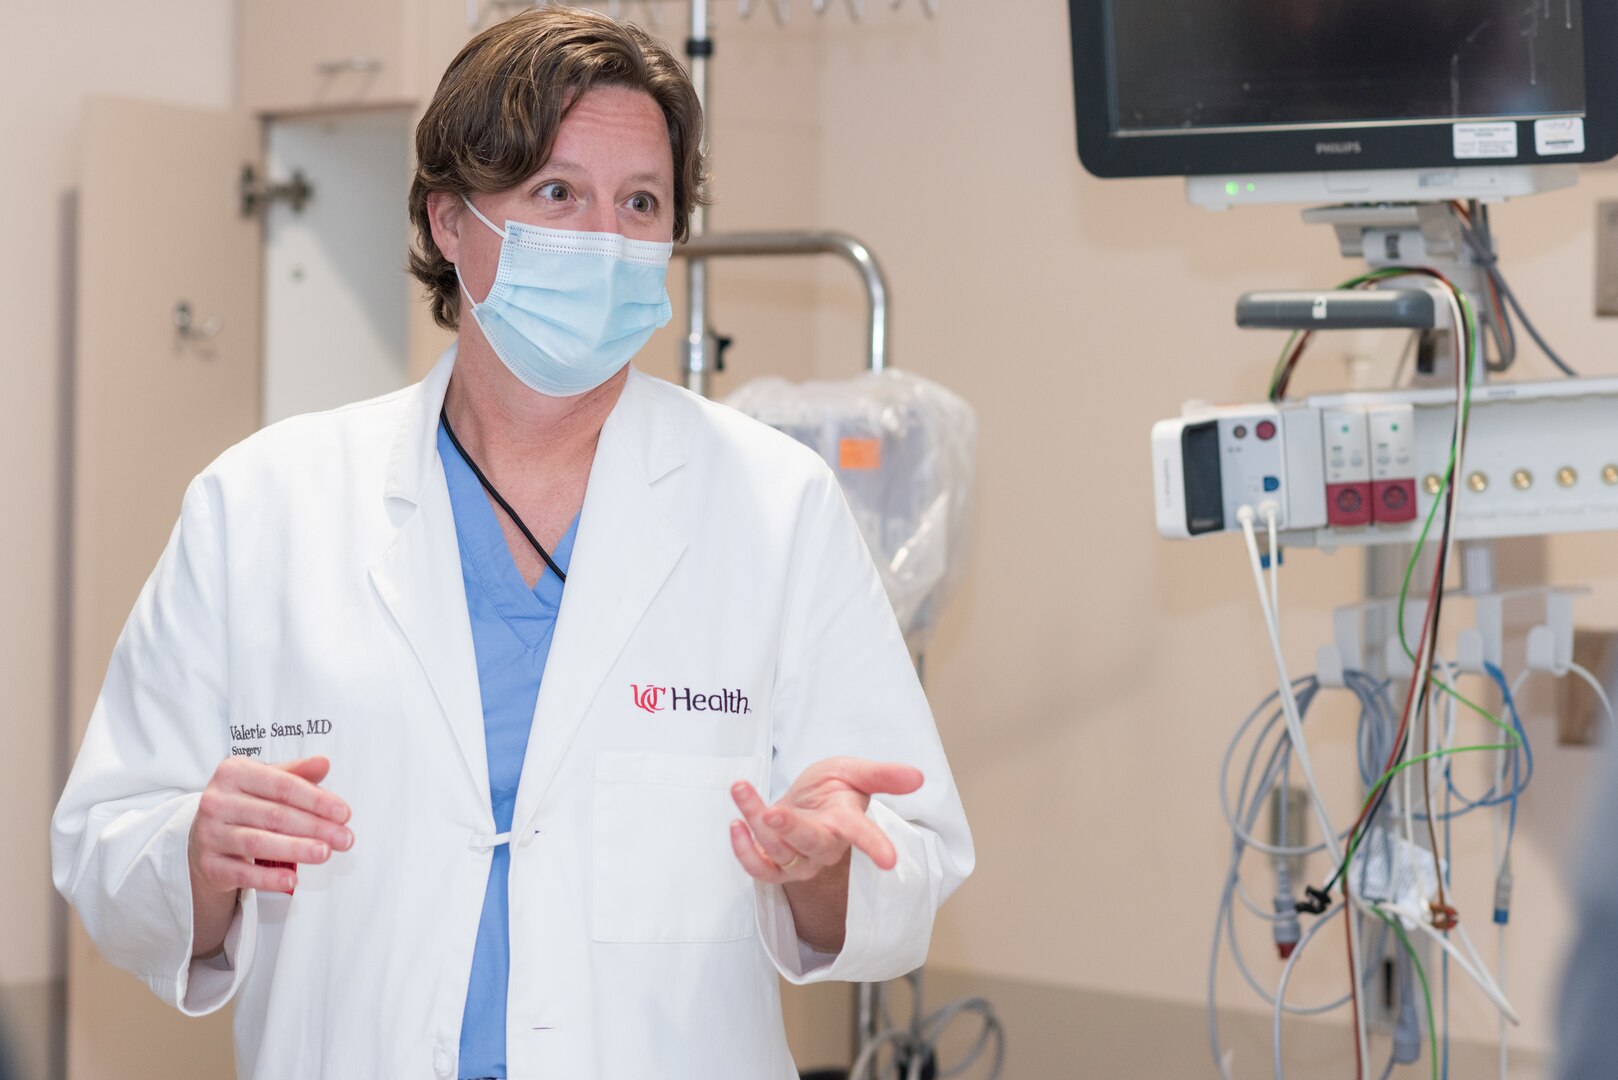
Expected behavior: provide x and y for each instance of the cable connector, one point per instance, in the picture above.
(1285, 928)
(1444, 917)
(1502, 897)
(1318, 902)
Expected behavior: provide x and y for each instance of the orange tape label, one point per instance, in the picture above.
(859, 453)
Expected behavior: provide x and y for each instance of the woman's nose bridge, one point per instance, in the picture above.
(601, 214)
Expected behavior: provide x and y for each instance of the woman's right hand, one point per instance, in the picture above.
(250, 812)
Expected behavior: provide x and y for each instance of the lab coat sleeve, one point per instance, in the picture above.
(846, 686)
(120, 833)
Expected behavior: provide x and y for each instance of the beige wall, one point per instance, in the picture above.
(1088, 678)
(51, 57)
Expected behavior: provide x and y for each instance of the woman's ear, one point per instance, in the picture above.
(444, 213)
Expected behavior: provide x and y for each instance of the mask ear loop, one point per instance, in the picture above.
(501, 233)
(497, 230)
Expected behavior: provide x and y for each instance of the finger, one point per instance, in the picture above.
(272, 847)
(287, 820)
(803, 833)
(747, 853)
(878, 777)
(279, 785)
(868, 836)
(226, 872)
(312, 769)
(766, 836)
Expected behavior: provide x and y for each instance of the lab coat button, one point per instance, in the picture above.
(443, 1065)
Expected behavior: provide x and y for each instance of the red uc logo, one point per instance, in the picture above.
(647, 699)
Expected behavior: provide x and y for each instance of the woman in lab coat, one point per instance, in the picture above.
(526, 722)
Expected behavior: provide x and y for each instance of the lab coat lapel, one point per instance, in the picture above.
(418, 575)
(624, 552)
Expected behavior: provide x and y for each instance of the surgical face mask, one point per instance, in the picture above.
(568, 309)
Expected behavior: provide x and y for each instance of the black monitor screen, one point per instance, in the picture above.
(1198, 64)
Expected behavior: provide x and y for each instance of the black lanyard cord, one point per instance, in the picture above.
(497, 497)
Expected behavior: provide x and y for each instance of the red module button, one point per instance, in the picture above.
(1395, 500)
(1348, 504)
(1265, 430)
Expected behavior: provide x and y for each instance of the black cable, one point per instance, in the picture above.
(443, 416)
(1499, 321)
(1429, 634)
(1483, 252)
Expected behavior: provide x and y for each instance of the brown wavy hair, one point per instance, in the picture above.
(492, 122)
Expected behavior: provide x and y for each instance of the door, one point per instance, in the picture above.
(159, 225)
(336, 295)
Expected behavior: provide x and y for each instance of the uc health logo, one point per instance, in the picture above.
(656, 699)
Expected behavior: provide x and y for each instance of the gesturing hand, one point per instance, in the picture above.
(814, 825)
(251, 811)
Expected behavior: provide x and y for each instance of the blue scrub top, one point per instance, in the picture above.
(512, 627)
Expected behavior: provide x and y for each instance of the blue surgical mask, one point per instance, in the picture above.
(569, 309)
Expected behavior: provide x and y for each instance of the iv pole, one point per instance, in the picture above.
(704, 354)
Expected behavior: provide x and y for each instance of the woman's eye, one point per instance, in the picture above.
(554, 192)
(642, 203)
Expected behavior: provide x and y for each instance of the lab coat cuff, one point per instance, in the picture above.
(205, 985)
(889, 921)
(198, 987)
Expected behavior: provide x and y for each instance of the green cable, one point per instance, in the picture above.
(1470, 319)
(1432, 1025)
(1387, 778)
(1351, 283)
(1449, 478)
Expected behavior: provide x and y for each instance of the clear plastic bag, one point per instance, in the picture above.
(904, 450)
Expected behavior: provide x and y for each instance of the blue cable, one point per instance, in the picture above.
(1448, 883)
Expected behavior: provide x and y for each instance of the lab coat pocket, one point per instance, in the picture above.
(664, 871)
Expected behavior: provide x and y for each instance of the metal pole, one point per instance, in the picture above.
(723, 245)
(699, 52)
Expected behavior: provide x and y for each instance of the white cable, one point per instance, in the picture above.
(1595, 684)
(1480, 971)
(1480, 977)
(1289, 705)
(1500, 966)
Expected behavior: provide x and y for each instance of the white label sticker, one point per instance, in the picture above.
(1559, 135)
(1485, 141)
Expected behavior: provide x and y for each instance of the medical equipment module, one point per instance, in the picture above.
(1425, 478)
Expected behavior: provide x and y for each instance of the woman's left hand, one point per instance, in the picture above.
(818, 821)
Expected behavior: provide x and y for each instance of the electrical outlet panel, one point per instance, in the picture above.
(1364, 468)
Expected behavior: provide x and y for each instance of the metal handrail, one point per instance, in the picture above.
(752, 244)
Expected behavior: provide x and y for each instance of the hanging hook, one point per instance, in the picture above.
(185, 324)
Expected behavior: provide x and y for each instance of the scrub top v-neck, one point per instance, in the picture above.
(512, 626)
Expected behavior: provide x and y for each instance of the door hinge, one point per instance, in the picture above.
(258, 192)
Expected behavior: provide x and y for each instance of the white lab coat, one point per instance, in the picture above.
(310, 601)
